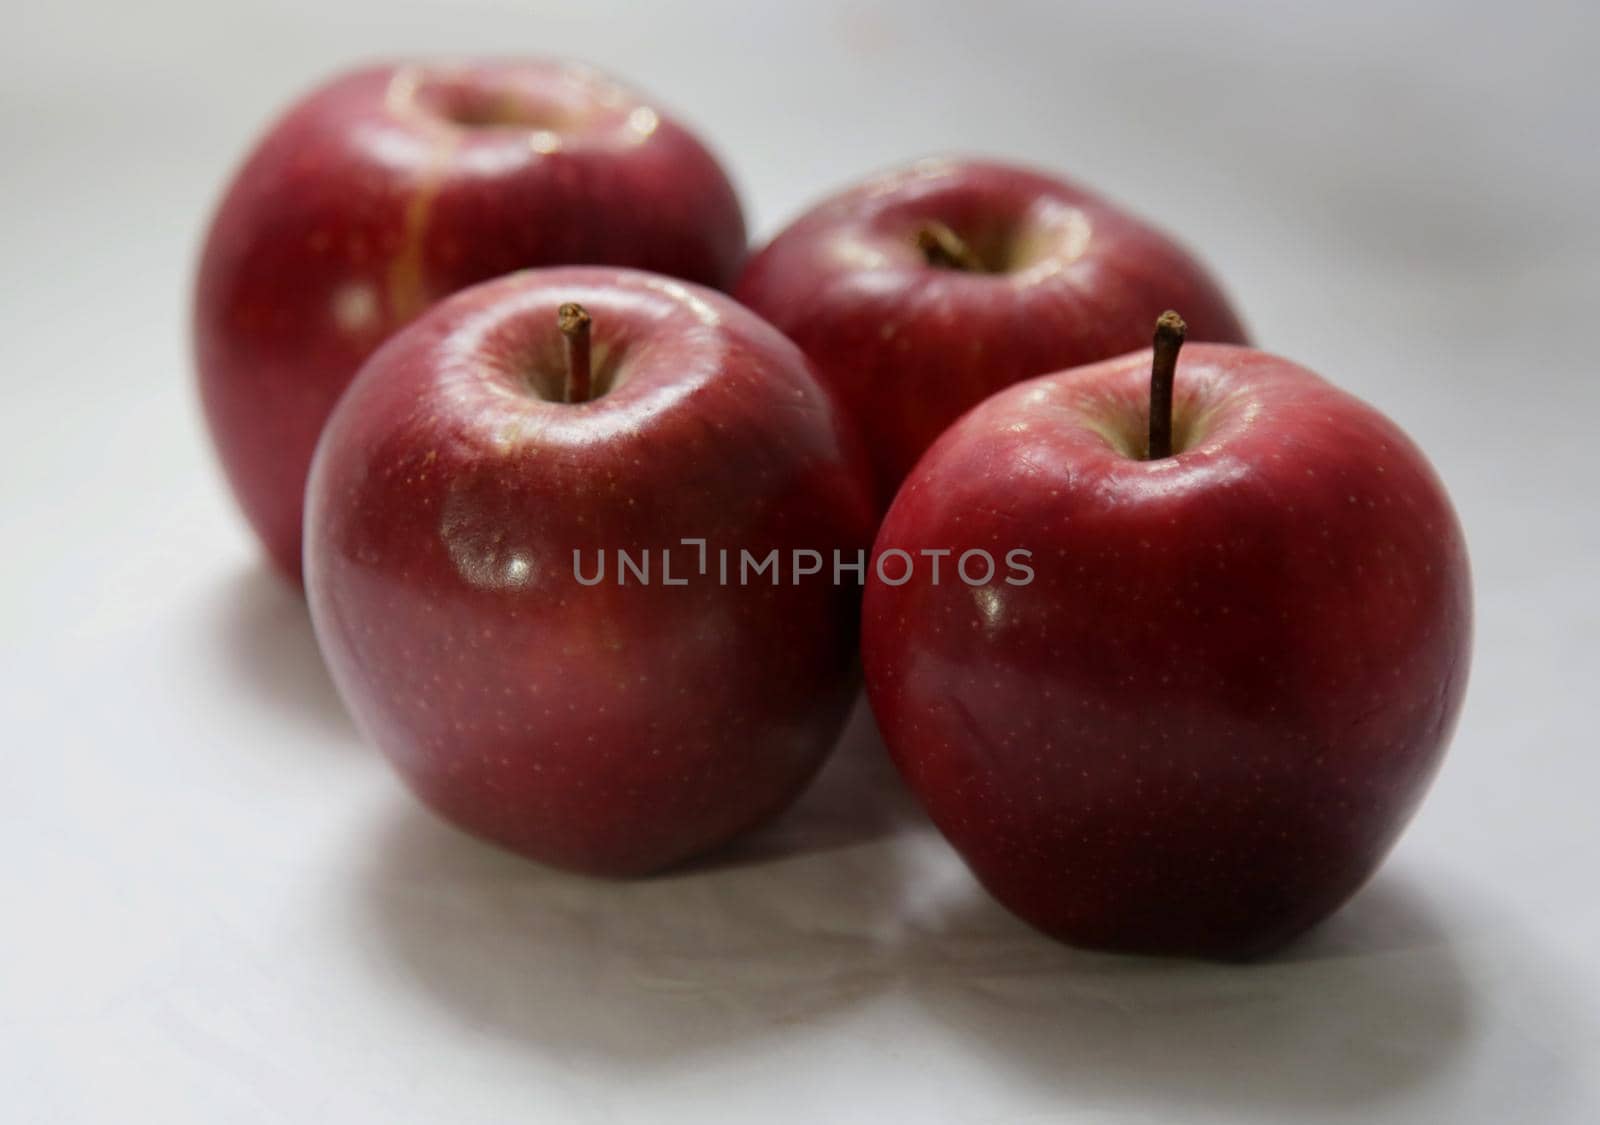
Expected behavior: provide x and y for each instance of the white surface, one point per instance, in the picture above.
(220, 906)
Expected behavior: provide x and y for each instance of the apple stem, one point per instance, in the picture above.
(574, 322)
(1170, 330)
(944, 248)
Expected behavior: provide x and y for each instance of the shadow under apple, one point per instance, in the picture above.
(263, 637)
(789, 926)
(857, 797)
(851, 898)
(1371, 1004)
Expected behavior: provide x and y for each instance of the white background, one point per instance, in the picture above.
(219, 906)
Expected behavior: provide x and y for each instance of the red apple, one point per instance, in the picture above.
(920, 293)
(1203, 722)
(390, 187)
(456, 513)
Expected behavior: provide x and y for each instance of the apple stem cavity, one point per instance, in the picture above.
(1170, 331)
(945, 249)
(574, 321)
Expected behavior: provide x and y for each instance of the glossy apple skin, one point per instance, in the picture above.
(367, 201)
(909, 347)
(1203, 724)
(613, 729)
